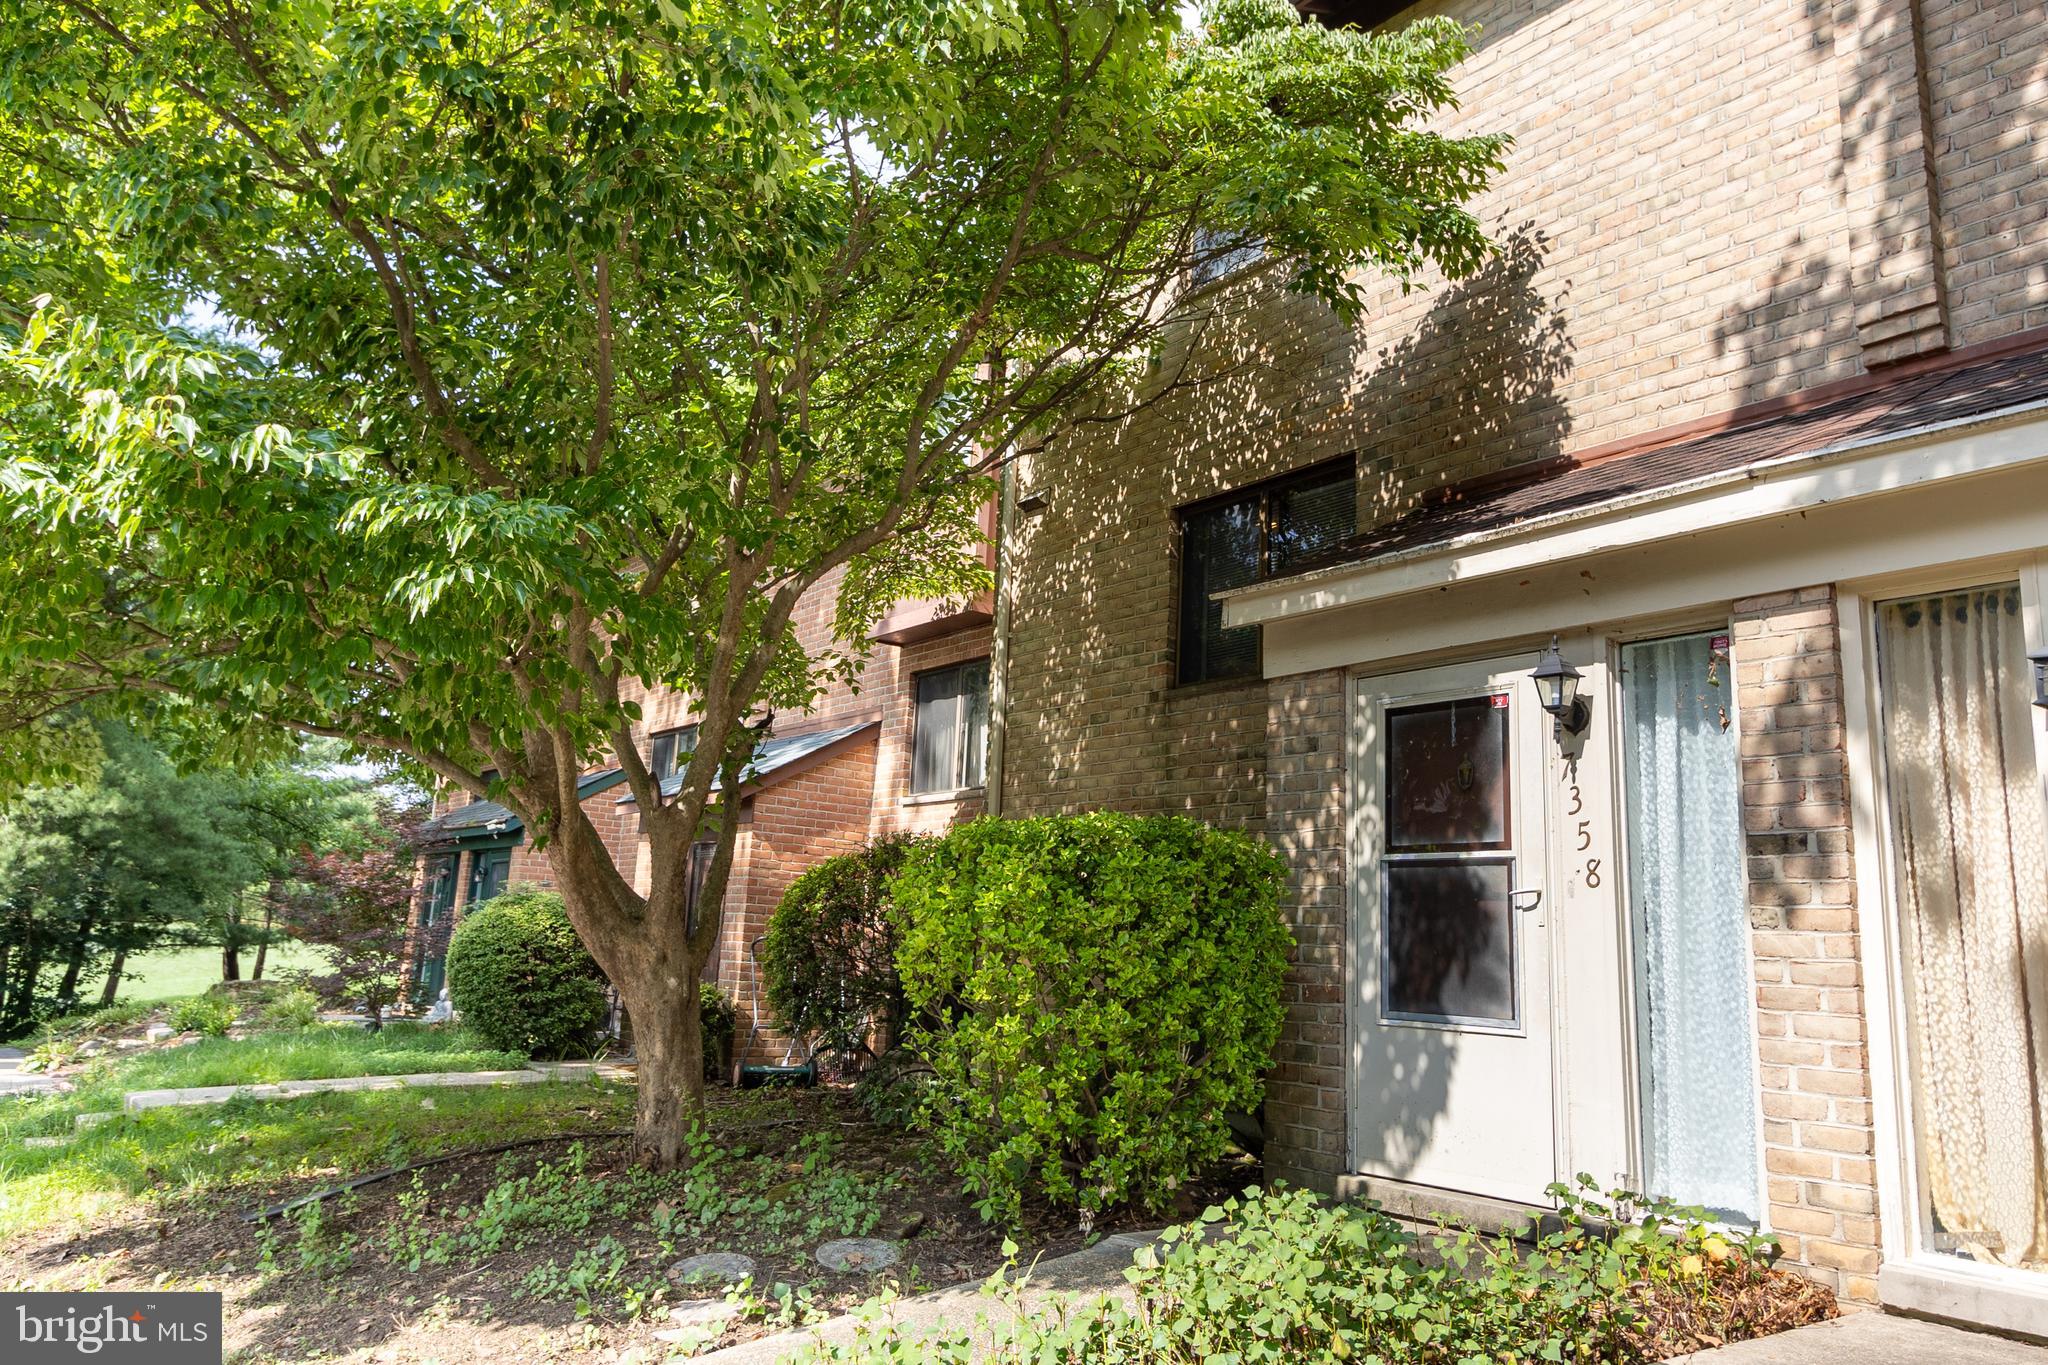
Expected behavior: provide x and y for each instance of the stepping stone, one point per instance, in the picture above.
(157, 1033)
(84, 1121)
(857, 1255)
(44, 1141)
(727, 1266)
(702, 1313)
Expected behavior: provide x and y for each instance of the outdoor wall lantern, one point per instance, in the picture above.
(1557, 689)
(2039, 658)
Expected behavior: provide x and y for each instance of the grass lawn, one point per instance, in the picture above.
(316, 1053)
(172, 972)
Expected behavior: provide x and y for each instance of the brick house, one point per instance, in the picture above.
(1750, 413)
(897, 748)
(1750, 416)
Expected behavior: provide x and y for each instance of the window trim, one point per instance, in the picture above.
(957, 786)
(1264, 490)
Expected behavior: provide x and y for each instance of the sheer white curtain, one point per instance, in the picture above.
(1971, 855)
(1696, 1042)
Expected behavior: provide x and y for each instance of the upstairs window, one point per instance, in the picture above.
(667, 750)
(951, 728)
(1265, 531)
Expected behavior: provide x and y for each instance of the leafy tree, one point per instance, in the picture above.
(565, 343)
(94, 872)
(355, 904)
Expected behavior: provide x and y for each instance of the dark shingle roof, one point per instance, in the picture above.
(775, 758)
(1966, 391)
(488, 819)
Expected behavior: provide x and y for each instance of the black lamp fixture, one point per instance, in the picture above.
(2039, 659)
(1557, 691)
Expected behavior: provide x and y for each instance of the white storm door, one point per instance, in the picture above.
(1451, 1068)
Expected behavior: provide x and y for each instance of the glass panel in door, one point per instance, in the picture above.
(1695, 1036)
(1969, 840)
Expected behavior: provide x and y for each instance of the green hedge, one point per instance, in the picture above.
(1094, 993)
(520, 978)
(828, 959)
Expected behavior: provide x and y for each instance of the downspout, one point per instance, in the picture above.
(999, 652)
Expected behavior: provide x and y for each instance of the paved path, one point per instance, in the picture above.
(1875, 1339)
(532, 1074)
(15, 1081)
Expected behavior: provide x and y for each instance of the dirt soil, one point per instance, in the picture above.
(374, 1308)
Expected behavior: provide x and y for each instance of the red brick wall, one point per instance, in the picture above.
(793, 826)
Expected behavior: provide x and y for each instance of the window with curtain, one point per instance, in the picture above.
(1264, 531)
(1696, 1049)
(1969, 849)
(950, 728)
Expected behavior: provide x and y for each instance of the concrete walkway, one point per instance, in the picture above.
(1875, 1339)
(136, 1101)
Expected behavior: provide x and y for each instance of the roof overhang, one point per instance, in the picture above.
(1851, 470)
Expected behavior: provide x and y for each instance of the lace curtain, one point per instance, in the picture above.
(1972, 869)
(1696, 1040)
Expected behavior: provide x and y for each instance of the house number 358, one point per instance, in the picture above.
(1592, 866)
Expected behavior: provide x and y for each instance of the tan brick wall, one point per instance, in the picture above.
(1678, 240)
(1305, 1122)
(1814, 1069)
(1987, 64)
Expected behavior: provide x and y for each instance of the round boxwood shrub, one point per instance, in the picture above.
(520, 977)
(1093, 993)
(829, 959)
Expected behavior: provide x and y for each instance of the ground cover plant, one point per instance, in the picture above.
(1279, 1276)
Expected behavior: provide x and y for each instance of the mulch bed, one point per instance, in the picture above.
(377, 1310)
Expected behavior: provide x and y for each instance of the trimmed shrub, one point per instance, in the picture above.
(720, 1022)
(829, 959)
(521, 979)
(1093, 993)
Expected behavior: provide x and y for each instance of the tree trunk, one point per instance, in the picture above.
(668, 1048)
(263, 944)
(74, 967)
(114, 971)
(230, 962)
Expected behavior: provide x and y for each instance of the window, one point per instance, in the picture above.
(1448, 950)
(1969, 836)
(951, 728)
(440, 883)
(701, 854)
(1260, 532)
(488, 871)
(1695, 1039)
(667, 750)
